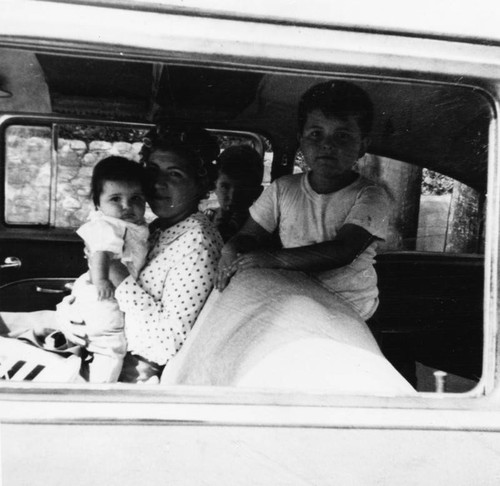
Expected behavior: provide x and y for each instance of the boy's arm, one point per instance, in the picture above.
(351, 240)
(250, 237)
(99, 263)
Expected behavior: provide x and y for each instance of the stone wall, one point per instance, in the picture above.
(28, 166)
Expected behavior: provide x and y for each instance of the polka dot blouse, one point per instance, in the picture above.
(162, 305)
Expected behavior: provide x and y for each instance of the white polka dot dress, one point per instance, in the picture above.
(163, 304)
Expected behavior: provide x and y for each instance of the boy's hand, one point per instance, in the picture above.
(256, 259)
(105, 289)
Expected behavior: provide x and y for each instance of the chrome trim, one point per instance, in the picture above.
(11, 262)
(358, 417)
(44, 290)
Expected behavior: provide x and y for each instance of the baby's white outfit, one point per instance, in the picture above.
(103, 319)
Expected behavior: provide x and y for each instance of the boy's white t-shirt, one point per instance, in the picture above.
(305, 217)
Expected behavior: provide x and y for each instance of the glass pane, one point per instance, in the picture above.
(79, 149)
(27, 175)
(450, 216)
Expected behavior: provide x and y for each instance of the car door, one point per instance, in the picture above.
(45, 197)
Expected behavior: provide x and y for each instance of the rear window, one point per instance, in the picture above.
(49, 169)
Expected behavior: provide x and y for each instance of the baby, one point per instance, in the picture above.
(115, 230)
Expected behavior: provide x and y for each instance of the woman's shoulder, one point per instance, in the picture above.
(199, 224)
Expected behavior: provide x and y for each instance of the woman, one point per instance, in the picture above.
(162, 304)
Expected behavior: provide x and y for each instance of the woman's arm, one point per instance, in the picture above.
(156, 329)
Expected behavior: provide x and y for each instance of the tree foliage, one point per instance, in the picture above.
(435, 184)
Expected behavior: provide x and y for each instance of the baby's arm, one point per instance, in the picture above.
(99, 262)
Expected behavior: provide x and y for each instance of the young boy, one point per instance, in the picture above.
(330, 218)
(238, 184)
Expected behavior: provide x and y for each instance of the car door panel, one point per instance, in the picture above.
(46, 267)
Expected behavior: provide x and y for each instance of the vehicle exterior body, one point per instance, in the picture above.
(119, 434)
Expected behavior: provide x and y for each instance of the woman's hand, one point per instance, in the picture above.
(232, 263)
(226, 269)
(251, 236)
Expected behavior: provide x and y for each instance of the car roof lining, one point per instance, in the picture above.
(442, 127)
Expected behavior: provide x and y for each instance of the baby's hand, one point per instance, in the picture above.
(105, 289)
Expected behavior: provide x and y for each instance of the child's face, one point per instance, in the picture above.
(123, 200)
(224, 190)
(331, 145)
(232, 194)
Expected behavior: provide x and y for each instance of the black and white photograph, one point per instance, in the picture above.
(249, 243)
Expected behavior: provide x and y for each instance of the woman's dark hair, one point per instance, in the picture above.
(242, 163)
(337, 98)
(116, 169)
(162, 139)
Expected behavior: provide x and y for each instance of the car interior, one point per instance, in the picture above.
(431, 278)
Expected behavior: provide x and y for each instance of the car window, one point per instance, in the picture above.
(451, 216)
(28, 153)
(445, 215)
(46, 188)
(430, 147)
(53, 189)
(431, 212)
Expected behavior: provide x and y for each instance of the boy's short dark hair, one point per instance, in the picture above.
(116, 169)
(242, 163)
(338, 98)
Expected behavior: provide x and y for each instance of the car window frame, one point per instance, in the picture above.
(51, 120)
(468, 56)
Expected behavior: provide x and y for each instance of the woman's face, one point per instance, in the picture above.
(175, 191)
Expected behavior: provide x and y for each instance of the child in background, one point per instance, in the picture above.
(238, 185)
(115, 230)
(330, 218)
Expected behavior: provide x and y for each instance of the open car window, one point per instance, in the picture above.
(430, 268)
(50, 186)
